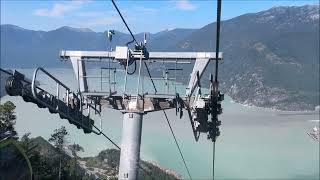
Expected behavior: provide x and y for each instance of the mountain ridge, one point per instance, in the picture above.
(271, 58)
(314, 9)
(266, 64)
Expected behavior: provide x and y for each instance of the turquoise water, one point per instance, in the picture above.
(255, 143)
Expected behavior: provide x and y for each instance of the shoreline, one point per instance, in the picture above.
(168, 171)
(317, 109)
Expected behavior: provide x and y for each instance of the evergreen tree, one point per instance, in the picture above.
(75, 148)
(58, 138)
(7, 119)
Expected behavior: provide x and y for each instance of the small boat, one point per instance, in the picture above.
(315, 134)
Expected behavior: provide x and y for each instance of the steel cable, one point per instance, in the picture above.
(172, 132)
(175, 139)
(218, 37)
(154, 88)
(118, 147)
(125, 23)
(216, 74)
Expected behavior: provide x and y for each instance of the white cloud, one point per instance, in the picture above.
(59, 9)
(185, 5)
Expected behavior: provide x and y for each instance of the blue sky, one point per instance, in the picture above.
(142, 16)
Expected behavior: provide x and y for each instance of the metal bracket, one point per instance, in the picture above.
(57, 109)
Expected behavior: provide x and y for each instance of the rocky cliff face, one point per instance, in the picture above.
(106, 166)
(271, 58)
(44, 159)
(3, 78)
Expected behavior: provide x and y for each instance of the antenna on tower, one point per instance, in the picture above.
(145, 39)
(110, 34)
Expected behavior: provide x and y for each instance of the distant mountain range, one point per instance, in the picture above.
(271, 58)
(27, 48)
